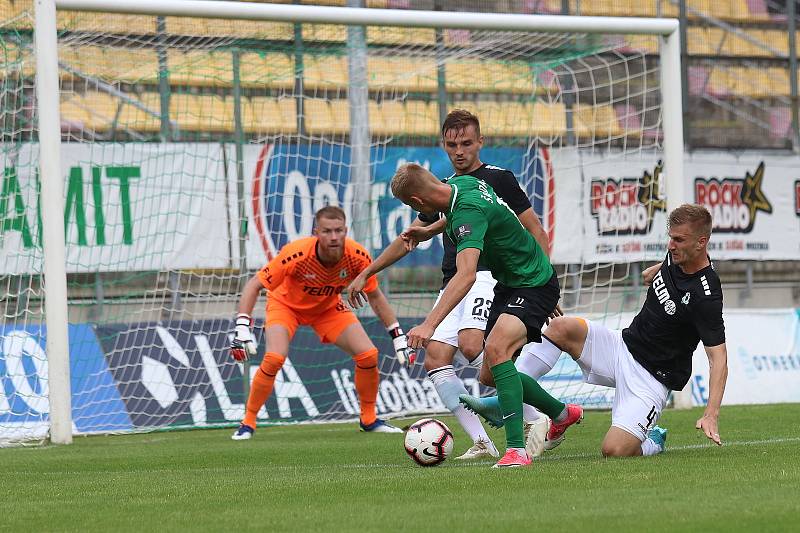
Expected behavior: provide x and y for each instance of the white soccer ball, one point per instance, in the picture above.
(428, 442)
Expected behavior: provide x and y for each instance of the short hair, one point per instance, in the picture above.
(408, 179)
(330, 211)
(695, 215)
(459, 119)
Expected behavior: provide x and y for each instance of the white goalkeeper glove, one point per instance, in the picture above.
(405, 355)
(243, 346)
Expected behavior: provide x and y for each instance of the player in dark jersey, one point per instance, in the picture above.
(463, 329)
(654, 354)
(486, 231)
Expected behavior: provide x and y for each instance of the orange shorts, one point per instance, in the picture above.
(328, 325)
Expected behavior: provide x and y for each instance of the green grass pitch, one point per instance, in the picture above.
(333, 478)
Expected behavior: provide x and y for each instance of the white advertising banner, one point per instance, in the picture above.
(612, 208)
(763, 358)
(128, 207)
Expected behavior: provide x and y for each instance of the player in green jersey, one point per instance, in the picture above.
(486, 231)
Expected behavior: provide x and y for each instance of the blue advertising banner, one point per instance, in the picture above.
(291, 182)
(96, 403)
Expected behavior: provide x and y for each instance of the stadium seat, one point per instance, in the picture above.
(17, 60)
(324, 33)
(282, 31)
(317, 115)
(422, 118)
(274, 70)
(112, 64)
(325, 72)
(393, 116)
(397, 35)
(595, 121)
(643, 43)
(544, 120)
(133, 118)
(73, 110)
(107, 23)
(394, 74)
(200, 69)
(202, 113)
(101, 110)
(510, 76)
(267, 115)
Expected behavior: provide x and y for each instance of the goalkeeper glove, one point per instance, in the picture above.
(243, 345)
(405, 355)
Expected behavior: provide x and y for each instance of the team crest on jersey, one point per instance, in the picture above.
(733, 202)
(626, 206)
(343, 273)
(463, 230)
(670, 307)
(685, 299)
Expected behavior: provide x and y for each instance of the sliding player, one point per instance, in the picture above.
(654, 354)
(305, 281)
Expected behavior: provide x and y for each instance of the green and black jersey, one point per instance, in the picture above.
(478, 218)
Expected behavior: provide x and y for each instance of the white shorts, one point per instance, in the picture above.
(470, 313)
(639, 397)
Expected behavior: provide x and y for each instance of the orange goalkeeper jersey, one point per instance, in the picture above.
(297, 278)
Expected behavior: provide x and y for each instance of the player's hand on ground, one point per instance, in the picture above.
(418, 336)
(649, 273)
(356, 297)
(708, 424)
(243, 345)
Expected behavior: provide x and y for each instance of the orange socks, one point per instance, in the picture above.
(262, 385)
(366, 381)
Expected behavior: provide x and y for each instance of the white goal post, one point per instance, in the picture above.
(47, 86)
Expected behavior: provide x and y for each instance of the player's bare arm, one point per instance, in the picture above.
(718, 376)
(413, 235)
(454, 292)
(389, 256)
(649, 273)
(250, 294)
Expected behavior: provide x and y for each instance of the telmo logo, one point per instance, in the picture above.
(23, 374)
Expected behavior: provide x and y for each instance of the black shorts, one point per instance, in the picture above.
(532, 305)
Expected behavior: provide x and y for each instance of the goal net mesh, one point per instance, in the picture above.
(193, 149)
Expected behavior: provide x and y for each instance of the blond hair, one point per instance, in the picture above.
(695, 215)
(408, 179)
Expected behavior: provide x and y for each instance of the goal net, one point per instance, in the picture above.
(193, 149)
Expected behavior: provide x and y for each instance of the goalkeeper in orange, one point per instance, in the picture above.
(304, 283)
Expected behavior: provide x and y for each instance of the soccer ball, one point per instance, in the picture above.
(428, 442)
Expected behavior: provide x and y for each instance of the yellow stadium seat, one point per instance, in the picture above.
(101, 110)
(422, 118)
(397, 35)
(645, 43)
(325, 72)
(324, 33)
(268, 115)
(112, 65)
(73, 110)
(778, 81)
(16, 60)
(397, 74)
(596, 121)
(107, 23)
(200, 69)
(468, 76)
(318, 116)
(393, 114)
(376, 124)
(545, 120)
(205, 113)
(274, 70)
(510, 76)
(340, 114)
(136, 119)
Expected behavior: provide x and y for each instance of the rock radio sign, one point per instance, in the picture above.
(734, 203)
(625, 206)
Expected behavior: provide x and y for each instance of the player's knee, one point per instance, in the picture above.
(485, 377)
(471, 349)
(618, 449)
(272, 363)
(368, 359)
(435, 358)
